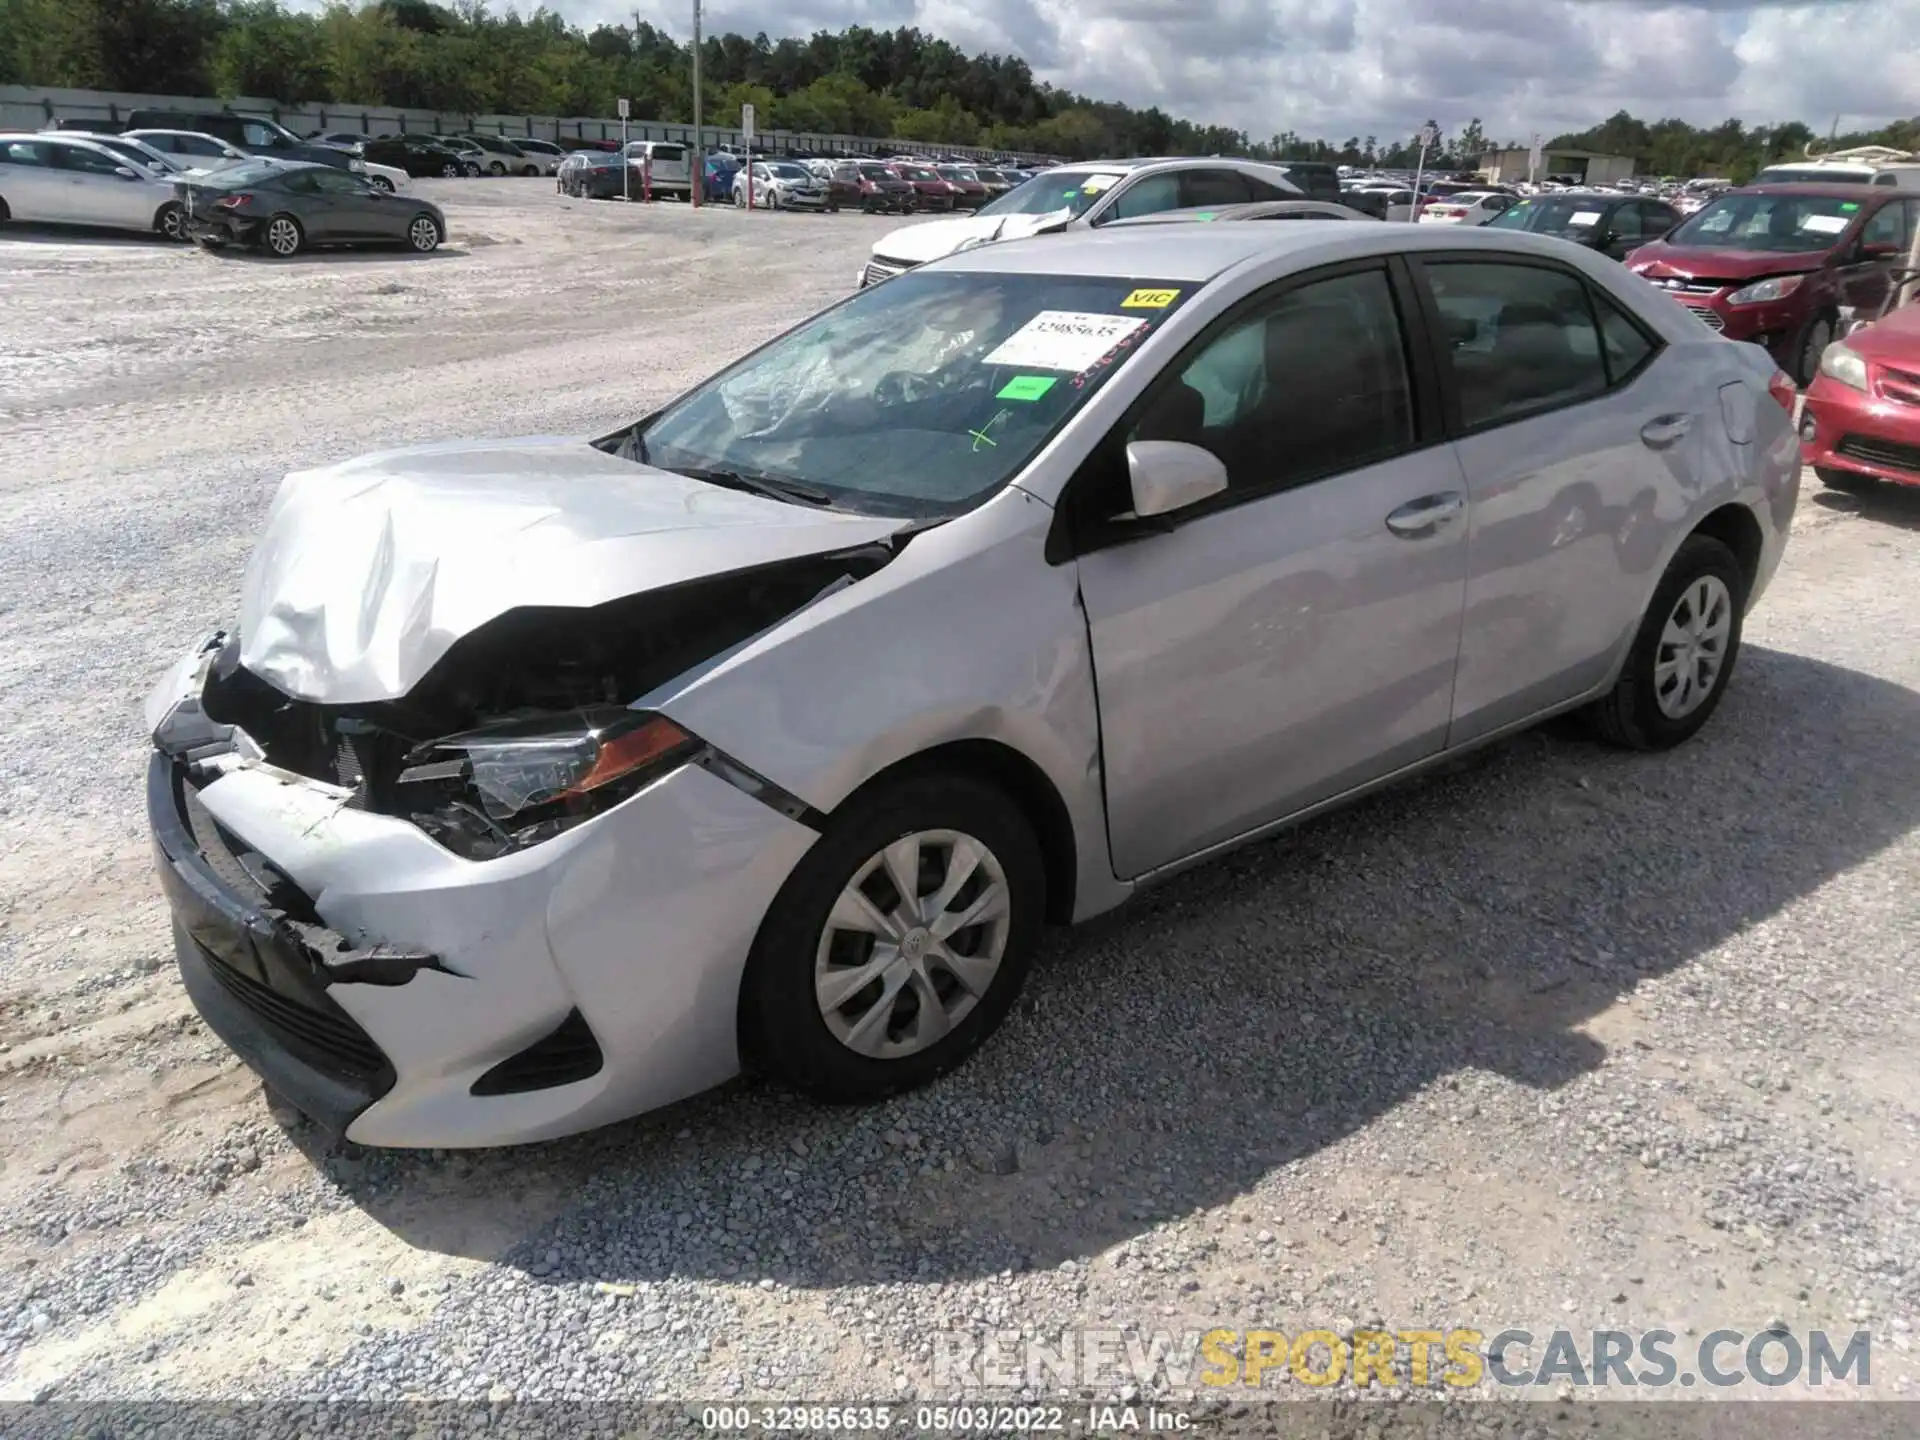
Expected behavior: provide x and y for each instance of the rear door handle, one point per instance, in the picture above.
(1419, 518)
(1664, 430)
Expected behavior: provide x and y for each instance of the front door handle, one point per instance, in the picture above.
(1664, 430)
(1420, 518)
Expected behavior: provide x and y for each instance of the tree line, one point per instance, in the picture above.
(463, 59)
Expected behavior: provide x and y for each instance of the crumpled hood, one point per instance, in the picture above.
(369, 570)
(917, 244)
(1658, 260)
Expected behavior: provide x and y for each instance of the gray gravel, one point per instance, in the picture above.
(1561, 1037)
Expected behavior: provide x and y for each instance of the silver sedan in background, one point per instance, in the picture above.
(543, 782)
(57, 180)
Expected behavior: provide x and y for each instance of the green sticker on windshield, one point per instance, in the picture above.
(1026, 387)
(1849, 206)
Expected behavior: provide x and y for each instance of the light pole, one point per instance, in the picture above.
(699, 151)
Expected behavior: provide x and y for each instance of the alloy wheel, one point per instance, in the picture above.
(912, 944)
(1693, 647)
(449, 171)
(380, 182)
(283, 236)
(173, 222)
(423, 234)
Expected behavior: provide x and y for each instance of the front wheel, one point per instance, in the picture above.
(171, 221)
(1812, 344)
(283, 236)
(449, 171)
(380, 182)
(496, 169)
(1848, 482)
(1684, 652)
(898, 943)
(423, 234)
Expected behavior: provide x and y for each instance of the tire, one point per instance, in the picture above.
(5, 213)
(1848, 482)
(282, 237)
(786, 1033)
(496, 169)
(450, 171)
(1643, 711)
(533, 170)
(424, 234)
(1808, 345)
(171, 221)
(380, 182)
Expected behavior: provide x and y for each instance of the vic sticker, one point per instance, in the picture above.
(1152, 299)
(1069, 340)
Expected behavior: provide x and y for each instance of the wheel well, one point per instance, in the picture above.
(1734, 527)
(1029, 788)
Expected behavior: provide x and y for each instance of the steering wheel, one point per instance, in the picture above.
(902, 387)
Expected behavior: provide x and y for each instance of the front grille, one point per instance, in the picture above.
(1691, 287)
(1889, 453)
(879, 269)
(1901, 385)
(1712, 319)
(567, 1054)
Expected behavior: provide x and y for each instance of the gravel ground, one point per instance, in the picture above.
(1561, 1037)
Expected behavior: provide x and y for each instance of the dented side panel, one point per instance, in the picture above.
(910, 659)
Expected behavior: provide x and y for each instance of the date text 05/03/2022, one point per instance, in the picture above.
(1088, 1419)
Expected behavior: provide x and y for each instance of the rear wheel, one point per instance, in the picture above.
(283, 236)
(171, 221)
(423, 234)
(449, 171)
(380, 182)
(496, 168)
(1850, 482)
(1684, 653)
(899, 942)
(5, 214)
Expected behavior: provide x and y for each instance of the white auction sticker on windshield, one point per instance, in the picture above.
(1094, 184)
(1064, 340)
(1826, 224)
(1585, 217)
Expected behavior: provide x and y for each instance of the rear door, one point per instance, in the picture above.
(1576, 433)
(31, 187)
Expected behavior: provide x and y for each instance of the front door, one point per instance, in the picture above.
(356, 212)
(1864, 278)
(1572, 423)
(1296, 636)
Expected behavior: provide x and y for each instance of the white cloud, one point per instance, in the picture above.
(1336, 68)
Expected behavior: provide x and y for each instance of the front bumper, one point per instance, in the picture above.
(1845, 429)
(626, 935)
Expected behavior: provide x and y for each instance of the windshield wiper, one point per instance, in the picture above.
(770, 486)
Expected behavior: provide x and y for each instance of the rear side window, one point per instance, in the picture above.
(23, 152)
(1519, 339)
(1625, 345)
(1213, 187)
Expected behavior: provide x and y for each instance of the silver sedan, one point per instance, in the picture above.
(545, 782)
(58, 180)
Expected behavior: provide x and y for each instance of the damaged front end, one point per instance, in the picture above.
(332, 923)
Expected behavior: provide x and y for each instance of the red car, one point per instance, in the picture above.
(972, 193)
(1785, 266)
(929, 190)
(1861, 423)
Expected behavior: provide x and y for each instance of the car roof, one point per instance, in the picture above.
(1816, 190)
(1244, 210)
(1199, 253)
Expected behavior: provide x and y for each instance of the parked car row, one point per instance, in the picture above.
(146, 180)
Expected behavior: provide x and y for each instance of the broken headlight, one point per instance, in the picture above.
(485, 792)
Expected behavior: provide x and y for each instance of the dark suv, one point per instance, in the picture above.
(255, 134)
(415, 155)
(1785, 266)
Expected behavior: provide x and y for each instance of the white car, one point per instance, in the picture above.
(1469, 207)
(543, 153)
(390, 178)
(783, 185)
(70, 181)
(191, 149)
(1397, 201)
(145, 157)
(1081, 197)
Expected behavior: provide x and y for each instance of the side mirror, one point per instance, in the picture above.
(1169, 475)
(125, 172)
